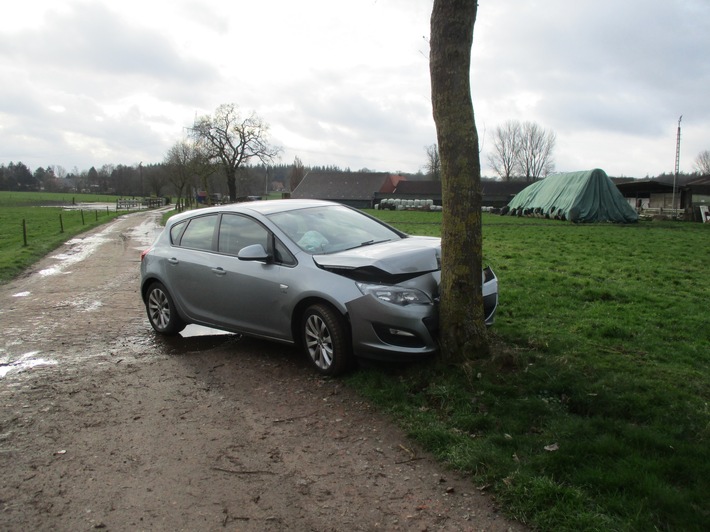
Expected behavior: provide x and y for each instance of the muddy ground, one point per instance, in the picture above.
(104, 425)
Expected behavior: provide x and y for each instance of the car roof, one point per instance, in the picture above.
(272, 206)
(264, 207)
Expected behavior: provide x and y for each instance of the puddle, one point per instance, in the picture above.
(25, 362)
(146, 233)
(198, 330)
(195, 338)
(80, 249)
(90, 207)
(21, 294)
(82, 305)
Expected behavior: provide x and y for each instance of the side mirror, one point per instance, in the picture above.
(255, 252)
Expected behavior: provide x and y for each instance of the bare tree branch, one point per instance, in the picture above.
(234, 141)
(702, 162)
(506, 146)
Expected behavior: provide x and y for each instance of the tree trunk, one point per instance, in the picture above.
(462, 321)
(231, 183)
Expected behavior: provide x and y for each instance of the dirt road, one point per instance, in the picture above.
(103, 425)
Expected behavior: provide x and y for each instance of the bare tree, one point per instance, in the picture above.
(298, 172)
(59, 171)
(522, 150)
(233, 141)
(535, 155)
(433, 162)
(506, 147)
(104, 177)
(462, 327)
(702, 162)
(184, 163)
(155, 177)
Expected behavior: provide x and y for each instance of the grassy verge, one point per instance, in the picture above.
(592, 413)
(43, 227)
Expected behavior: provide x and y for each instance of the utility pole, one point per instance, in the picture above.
(677, 162)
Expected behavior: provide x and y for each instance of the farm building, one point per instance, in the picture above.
(356, 189)
(495, 193)
(587, 196)
(414, 190)
(699, 198)
(657, 197)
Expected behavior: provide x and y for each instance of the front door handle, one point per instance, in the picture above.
(219, 271)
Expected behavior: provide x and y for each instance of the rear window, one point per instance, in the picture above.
(175, 232)
(199, 233)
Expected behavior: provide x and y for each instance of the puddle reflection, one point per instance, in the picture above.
(198, 330)
(195, 338)
(25, 362)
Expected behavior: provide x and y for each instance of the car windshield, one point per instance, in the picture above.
(331, 229)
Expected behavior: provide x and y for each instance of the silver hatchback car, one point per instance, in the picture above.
(331, 278)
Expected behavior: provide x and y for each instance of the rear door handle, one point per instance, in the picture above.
(173, 260)
(219, 271)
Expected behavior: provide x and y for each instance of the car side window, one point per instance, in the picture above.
(175, 232)
(199, 233)
(282, 255)
(237, 232)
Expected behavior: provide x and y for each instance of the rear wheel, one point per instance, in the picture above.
(162, 314)
(326, 340)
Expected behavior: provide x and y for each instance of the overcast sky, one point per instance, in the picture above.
(346, 82)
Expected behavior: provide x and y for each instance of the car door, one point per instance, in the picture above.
(189, 268)
(250, 298)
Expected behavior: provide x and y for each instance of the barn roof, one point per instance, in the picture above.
(643, 186)
(700, 185)
(340, 186)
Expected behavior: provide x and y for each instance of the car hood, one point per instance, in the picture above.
(386, 262)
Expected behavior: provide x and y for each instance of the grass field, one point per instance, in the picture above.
(592, 413)
(44, 229)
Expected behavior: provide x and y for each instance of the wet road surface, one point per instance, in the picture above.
(105, 425)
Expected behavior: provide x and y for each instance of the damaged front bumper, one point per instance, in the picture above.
(385, 331)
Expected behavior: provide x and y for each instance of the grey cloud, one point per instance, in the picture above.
(360, 127)
(94, 38)
(625, 67)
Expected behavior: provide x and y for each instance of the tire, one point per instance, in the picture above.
(162, 314)
(326, 340)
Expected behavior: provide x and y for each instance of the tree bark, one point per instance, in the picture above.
(231, 182)
(462, 321)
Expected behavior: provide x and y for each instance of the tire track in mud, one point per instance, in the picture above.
(119, 429)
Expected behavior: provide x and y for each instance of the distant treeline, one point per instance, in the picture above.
(155, 179)
(142, 180)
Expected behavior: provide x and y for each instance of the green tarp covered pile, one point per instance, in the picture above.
(588, 196)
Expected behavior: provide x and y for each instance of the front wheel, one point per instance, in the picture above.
(326, 340)
(162, 314)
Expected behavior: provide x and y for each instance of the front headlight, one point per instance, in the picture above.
(397, 295)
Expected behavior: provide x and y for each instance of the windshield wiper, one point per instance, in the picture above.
(371, 242)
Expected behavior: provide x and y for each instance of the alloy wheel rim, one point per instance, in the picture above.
(319, 342)
(159, 308)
